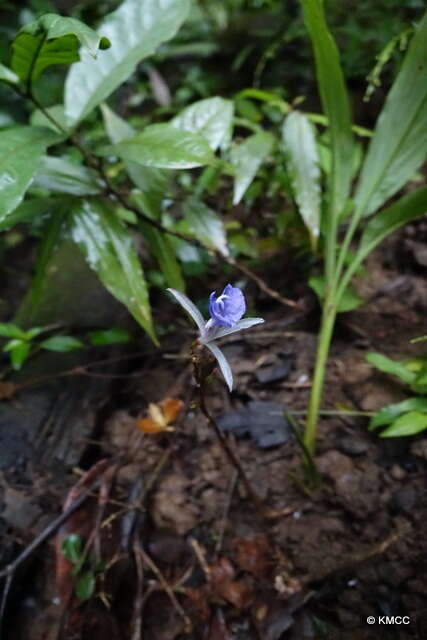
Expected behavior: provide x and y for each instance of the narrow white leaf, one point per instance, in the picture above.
(190, 308)
(303, 164)
(246, 323)
(223, 363)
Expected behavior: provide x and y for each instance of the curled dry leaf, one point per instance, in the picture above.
(161, 416)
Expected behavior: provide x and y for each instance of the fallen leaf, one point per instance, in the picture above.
(7, 390)
(253, 555)
(223, 585)
(161, 416)
(79, 523)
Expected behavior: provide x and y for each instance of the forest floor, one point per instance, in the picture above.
(184, 552)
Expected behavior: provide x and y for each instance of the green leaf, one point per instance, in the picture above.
(9, 330)
(105, 337)
(19, 351)
(135, 30)
(381, 225)
(153, 182)
(7, 75)
(335, 103)
(72, 548)
(62, 344)
(246, 158)
(51, 40)
(161, 247)
(407, 424)
(21, 149)
(212, 118)
(206, 225)
(29, 210)
(386, 365)
(393, 411)
(108, 248)
(303, 162)
(160, 145)
(62, 176)
(56, 111)
(399, 145)
(349, 300)
(85, 586)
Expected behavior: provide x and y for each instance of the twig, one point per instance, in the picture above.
(136, 623)
(233, 482)
(168, 590)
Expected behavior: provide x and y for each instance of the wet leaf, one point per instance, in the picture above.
(135, 30)
(109, 251)
(162, 146)
(211, 118)
(206, 225)
(62, 176)
(303, 160)
(21, 149)
(246, 158)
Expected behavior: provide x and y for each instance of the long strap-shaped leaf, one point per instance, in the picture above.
(399, 145)
(335, 103)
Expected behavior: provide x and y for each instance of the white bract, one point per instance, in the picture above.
(209, 332)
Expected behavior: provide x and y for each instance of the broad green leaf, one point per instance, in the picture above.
(21, 149)
(163, 250)
(10, 330)
(62, 344)
(246, 158)
(303, 161)
(51, 40)
(407, 424)
(206, 225)
(399, 145)
(335, 103)
(212, 118)
(153, 182)
(62, 176)
(381, 225)
(30, 210)
(19, 350)
(50, 239)
(107, 245)
(393, 411)
(349, 300)
(7, 75)
(160, 145)
(135, 30)
(104, 337)
(386, 365)
(39, 119)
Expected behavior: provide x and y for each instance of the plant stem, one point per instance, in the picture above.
(324, 341)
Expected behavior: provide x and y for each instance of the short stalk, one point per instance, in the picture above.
(325, 336)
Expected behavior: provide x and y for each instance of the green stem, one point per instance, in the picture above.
(325, 336)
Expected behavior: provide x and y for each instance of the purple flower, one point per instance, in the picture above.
(226, 312)
(228, 308)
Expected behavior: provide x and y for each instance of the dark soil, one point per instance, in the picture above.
(185, 554)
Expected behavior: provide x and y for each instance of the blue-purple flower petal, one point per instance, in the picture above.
(228, 308)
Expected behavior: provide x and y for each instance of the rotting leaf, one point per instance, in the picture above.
(253, 555)
(223, 585)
